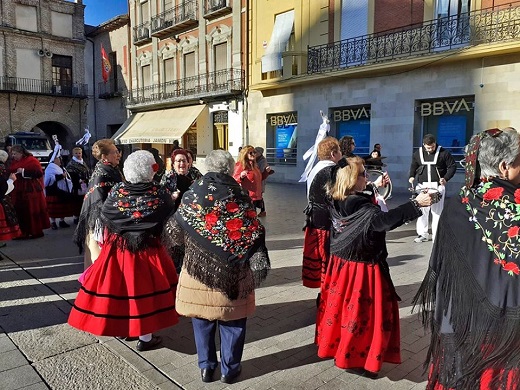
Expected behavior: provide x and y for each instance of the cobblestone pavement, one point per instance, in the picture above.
(38, 350)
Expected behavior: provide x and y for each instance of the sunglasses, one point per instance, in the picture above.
(251, 153)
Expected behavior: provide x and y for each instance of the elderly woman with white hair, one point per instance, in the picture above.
(217, 231)
(130, 289)
(470, 296)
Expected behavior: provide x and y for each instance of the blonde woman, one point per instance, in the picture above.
(358, 315)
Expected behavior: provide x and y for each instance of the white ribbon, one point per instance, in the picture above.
(313, 151)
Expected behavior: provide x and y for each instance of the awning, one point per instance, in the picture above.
(283, 25)
(159, 126)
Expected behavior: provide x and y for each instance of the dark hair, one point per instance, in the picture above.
(376, 145)
(20, 149)
(345, 143)
(428, 139)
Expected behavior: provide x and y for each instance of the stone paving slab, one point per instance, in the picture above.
(40, 281)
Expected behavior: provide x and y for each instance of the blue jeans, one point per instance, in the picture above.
(232, 338)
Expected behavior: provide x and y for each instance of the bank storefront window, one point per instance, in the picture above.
(450, 120)
(282, 138)
(353, 121)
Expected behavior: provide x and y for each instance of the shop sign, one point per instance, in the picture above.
(283, 119)
(444, 107)
(349, 114)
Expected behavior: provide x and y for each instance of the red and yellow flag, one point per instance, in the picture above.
(105, 65)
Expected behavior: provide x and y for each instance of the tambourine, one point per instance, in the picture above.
(435, 194)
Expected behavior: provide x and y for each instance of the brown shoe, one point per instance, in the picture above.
(262, 214)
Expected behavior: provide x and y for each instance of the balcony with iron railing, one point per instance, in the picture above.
(204, 86)
(114, 87)
(42, 87)
(215, 8)
(490, 25)
(142, 34)
(176, 19)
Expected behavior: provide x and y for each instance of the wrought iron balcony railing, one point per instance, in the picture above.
(214, 8)
(44, 87)
(175, 19)
(454, 32)
(142, 33)
(112, 88)
(222, 82)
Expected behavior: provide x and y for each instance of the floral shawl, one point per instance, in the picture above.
(103, 178)
(470, 296)
(136, 213)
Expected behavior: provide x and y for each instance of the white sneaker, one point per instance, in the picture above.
(420, 239)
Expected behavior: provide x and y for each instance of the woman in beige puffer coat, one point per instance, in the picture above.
(221, 242)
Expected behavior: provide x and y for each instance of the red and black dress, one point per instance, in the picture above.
(358, 314)
(317, 225)
(130, 289)
(9, 228)
(28, 198)
(470, 296)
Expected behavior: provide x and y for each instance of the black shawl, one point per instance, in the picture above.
(137, 213)
(470, 297)
(228, 239)
(359, 227)
(78, 172)
(103, 178)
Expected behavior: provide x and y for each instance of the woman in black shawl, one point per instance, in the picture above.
(358, 315)
(106, 174)
(470, 297)
(178, 180)
(130, 289)
(217, 231)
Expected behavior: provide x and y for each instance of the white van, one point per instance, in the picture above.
(37, 144)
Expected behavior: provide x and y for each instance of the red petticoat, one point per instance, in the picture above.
(358, 317)
(486, 381)
(315, 256)
(9, 228)
(127, 294)
(59, 207)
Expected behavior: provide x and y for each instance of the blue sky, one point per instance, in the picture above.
(99, 11)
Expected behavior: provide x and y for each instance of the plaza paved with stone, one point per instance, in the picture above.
(38, 350)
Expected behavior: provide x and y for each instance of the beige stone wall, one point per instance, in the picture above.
(21, 111)
(392, 100)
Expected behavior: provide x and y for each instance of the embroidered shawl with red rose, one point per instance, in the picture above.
(470, 296)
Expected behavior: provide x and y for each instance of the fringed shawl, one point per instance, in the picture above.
(470, 297)
(136, 213)
(103, 178)
(225, 248)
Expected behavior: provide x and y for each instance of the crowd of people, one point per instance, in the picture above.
(159, 244)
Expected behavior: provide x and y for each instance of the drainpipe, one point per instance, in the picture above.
(94, 86)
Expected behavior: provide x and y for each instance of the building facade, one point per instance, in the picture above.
(187, 67)
(42, 86)
(386, 72)
(106, 105)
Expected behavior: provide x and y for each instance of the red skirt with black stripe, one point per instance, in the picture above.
(126, 293)
(9, 228)
(315, 256)
(60, 207)
(358, 316)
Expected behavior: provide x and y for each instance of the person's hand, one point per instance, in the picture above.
(12, 176)
(243, 174)
(19, 170)
(424, 199)
(442, 181)
(410, 180)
